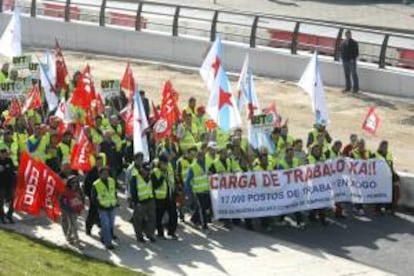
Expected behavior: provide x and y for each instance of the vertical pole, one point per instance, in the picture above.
(253, 32)
(337, 50)
(294, 44)
(102, 14)
(175, 21)
(213, 29)
(33, 9)
(67, 11)
(383, 53)
(138, 18)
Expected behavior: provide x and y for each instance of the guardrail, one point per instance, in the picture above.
(294, 35)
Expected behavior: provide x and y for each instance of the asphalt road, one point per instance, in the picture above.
(383, 242)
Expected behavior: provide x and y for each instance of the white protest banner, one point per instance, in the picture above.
(9, 90)
(21, 62)
(110, 88)
(273, 193)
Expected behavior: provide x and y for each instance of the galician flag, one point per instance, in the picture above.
(48, 78)
(246, 91)
(11, 40)
(311, 82)
(140, 125)
(221, 106)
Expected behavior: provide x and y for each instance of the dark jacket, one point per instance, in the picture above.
(7, 178)
(91, 177)
(349, 50)
(109, 148)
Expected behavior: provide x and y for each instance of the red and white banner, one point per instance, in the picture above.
(38, 187)
(273, 193)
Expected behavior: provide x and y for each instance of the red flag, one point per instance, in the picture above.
(128, 83)
(84, 91)
(127, 115)
(61, 69)
(30, 186)
(33, 99)
(271, 109)
(15, 111)
(89, 118)
(54, 187)
(169, 113)
(15, 108)
(99, 104)
(372, 121)
(81, 153)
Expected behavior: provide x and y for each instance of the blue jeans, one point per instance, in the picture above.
(350, 70)
(107, 218)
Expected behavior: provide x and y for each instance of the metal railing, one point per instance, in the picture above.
(257, 30)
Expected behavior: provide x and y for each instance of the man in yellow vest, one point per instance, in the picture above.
(4, 72)
(384, 152)
(12, 146)
(190, 110)
(197, 184)
(314, 157)
(186, 134)
(37, 144)
(312, 136)
(142, 198)
(183, 164)
(65, 147)
(332, 153)
(289, 162)
(104, 195)
(162, 179)
(263, 165)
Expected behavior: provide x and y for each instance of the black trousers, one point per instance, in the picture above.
(203, 208)
(6, 196)
(92, 218)
(169, 206)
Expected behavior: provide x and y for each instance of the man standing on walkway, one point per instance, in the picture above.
(349, 55)
(105, 196)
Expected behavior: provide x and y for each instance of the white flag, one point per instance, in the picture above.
(311, 82)
(48, 78)
(11, 40)
(246, 91)
(140, 125)
(221, 106)
(63, 111)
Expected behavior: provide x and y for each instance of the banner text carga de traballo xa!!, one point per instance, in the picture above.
(273, 193)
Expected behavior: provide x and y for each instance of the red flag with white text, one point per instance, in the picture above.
(33, 99)
(81, 153)
(84, 92)
(30, 186)
(372, 121)
(169, 113)
(54, 187)
(127, 115)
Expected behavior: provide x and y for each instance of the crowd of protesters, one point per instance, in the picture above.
(173, 182)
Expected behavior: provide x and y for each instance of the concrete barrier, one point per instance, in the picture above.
(407, 190)
(185, 50)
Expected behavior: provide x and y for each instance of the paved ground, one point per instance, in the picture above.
(380, 246)
(390, 14)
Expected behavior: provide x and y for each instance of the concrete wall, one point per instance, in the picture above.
(190, 51)
(407, 190)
